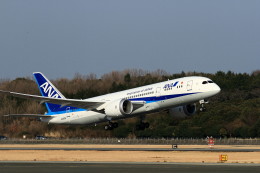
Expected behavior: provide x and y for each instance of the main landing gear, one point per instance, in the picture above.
(111, 126)
(142, 126)
(202, 103)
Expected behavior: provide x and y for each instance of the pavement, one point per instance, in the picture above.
(117, 167)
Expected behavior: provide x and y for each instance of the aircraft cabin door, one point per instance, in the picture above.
(68, 113)
(158, 91)
(189, 85)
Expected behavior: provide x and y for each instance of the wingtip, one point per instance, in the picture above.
(3, 91)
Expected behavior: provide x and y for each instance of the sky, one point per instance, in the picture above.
(63, 37)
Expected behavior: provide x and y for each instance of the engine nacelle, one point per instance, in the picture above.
(183, 111)
(118, 108)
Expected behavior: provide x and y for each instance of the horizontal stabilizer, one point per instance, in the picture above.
(84, 104)
(28, 115)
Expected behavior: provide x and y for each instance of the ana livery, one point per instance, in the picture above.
(178, 96)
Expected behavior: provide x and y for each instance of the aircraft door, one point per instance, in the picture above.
(189, 85)
(68, 113)
(158, 92)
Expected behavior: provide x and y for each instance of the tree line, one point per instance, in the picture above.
(235, 112)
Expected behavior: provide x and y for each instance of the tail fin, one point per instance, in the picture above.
(47, 89)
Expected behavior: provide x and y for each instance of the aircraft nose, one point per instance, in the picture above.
(217, 89)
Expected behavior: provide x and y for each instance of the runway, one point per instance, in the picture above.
(130, 153)
(117, 167)
(132, 149)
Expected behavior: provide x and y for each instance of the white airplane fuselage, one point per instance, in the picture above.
(152, 98)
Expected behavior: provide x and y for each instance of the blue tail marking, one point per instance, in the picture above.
(47, 89)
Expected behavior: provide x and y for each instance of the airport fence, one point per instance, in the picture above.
(147, 141)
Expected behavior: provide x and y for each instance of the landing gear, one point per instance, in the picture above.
(202, 103)
(142, 126)
(111, 126)
(202, 109)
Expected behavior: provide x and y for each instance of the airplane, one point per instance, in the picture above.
(178, 97)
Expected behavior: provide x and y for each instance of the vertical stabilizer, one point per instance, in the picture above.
(47, 89)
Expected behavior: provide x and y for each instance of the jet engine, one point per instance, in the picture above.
(183, 111)
(118, 108)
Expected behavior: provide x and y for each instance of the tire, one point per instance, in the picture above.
(115, 125)
(147, 125)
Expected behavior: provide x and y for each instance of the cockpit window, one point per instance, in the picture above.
(204, 82)
(210, 81)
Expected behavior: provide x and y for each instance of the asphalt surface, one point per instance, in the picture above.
(76, 167)
(135, 149)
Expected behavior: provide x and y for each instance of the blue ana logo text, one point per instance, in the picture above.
(170, 85)
(49, 91)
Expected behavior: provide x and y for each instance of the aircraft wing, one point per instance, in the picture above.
(28, 115)
(84, 104)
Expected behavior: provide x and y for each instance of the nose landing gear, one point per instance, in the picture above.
(202, 103)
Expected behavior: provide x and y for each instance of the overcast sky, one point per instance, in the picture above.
(64, 37)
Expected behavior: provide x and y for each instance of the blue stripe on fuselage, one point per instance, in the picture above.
(68, 111)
